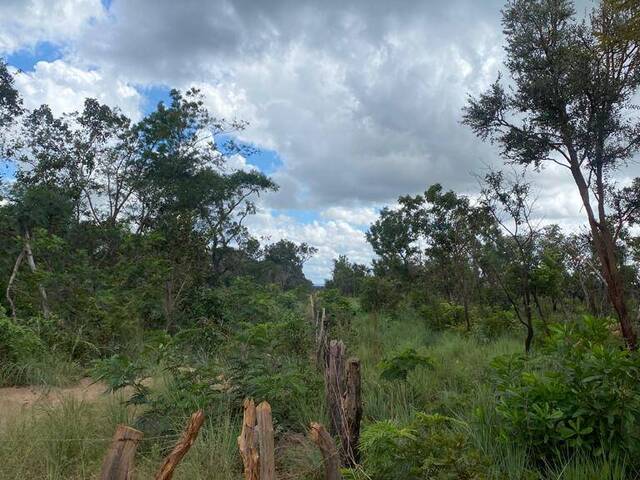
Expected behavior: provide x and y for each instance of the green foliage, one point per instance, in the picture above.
(379, 293)
(119, 372)
(440, 315)
(580, 394)
(339, 308)
(398, 366)
(17, 342)
(494, 322)
(427, 447)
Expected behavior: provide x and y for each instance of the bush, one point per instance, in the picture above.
(441, 315)
(338, 307)
(17, 342)
(427, 447)
(494, 322)
(399, 366)
(379, 294)
(580, 394)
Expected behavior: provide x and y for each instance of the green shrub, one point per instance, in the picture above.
(428, 447)
(494, 322)
(580, 394)
(379, 294)
(398, 366)
(338, 307)
(17, 342)
(441, 315)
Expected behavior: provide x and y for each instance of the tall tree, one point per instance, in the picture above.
(568, 105)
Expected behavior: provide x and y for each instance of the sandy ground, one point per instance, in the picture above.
(14, 400)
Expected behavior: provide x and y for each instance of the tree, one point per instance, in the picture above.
(393, 238)
(508, 202)
(283, 262)
(569, 106)
(347, 277)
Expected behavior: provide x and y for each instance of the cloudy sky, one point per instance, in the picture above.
(352, 103)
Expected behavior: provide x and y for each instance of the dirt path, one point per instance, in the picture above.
(16, 399)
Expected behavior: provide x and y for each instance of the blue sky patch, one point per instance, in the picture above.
(26, 58)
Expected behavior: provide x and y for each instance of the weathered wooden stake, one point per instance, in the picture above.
(189, 436)
(334, 385)
(266, 442)
(352, 411)
(118, 463)
(248, 442)
(328, 449)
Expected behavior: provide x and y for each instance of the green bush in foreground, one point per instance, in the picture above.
(580, 394)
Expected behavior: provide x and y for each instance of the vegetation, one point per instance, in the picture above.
(491, 346)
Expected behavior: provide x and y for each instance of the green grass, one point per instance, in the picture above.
(68, 441)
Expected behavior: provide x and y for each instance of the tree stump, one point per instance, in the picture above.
(118, 464)
(266, 442)
(182, 447)
(334, 385)
(352, 410)
(248, 442)
(328, 449)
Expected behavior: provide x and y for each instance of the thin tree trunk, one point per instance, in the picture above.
(32, 265)
(12, 279)
(605, 247)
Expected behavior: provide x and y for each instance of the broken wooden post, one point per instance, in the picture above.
(189, 436)
(267, 459)
(248, 442)
(334, 385)
(327, 446)
(118, 463)
(352, 410)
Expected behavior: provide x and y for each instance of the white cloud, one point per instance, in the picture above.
(23, 23)
(330, 237)
(64, 87)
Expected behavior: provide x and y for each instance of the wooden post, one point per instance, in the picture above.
(328, 449)
(189, 436)
(352, 410)
(266, 442)
(248, 442)
(334, 385)
(118, 463)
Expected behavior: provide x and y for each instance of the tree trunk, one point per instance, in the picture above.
(605, 247)
(12, 279)
(32, 265)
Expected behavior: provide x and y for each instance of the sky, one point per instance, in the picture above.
(351, 104)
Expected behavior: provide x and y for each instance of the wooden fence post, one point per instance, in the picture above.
(248, 441)
(189, 436)
(352, 410)
(334, 385)
(119, 462)
(328, 449)
(266, 442)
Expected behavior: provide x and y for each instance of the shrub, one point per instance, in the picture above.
(338, 307)
(441, 315)
(379, 294)
(399, 366)
(580, 393)
(427, 447)
(17, 342)
(494, 322)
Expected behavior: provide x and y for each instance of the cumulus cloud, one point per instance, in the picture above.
(24, 23)
(330, 237)
(361, 100)
(64, 87)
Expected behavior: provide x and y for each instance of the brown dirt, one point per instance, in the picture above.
(14, 400)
